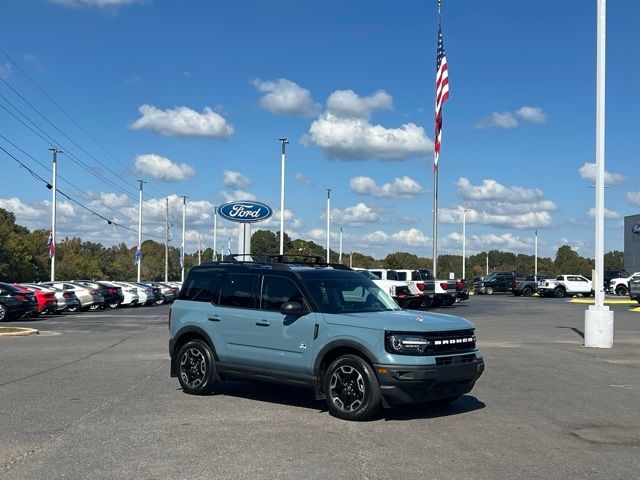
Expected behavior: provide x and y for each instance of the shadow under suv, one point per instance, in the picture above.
(322, 326)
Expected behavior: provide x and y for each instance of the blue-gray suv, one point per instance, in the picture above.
(317, 325)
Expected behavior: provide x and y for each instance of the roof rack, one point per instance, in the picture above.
(307, 260)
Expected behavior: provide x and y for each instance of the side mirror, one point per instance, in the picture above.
(293, 308)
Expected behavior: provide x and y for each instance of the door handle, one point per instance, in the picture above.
(263, 323)
(214, 318)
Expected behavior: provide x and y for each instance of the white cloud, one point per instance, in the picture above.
(355, 215)
(378, 237)
(357, 139)
(520, 221)
(532, 114)
(96, 3)
(235, 179)
(633, 198)
(5, 70)
(236, 195)
(498, 120)
(162, 168)
(588, 172)
(492, 190)
(183, 122)
(284, 97)
(303, 179)
(608, 214)
(113, 199)
(412, 237)
(348, 104)
(290, 221)
(402, 187)
(477, 243)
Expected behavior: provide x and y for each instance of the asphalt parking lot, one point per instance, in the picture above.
(91, 397)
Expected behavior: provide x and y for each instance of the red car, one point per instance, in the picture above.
(47, 301)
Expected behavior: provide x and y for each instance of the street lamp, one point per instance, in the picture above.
(464, 240)
(340, 249)
(535, 259)
(328, 220)
(283, 141)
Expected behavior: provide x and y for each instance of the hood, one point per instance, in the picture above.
(400, 321)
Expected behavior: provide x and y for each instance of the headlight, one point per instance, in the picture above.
(401, 343)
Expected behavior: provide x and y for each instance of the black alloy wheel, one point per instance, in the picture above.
(351, 388)
(94, 307)
(196, 368)
(527, 291)
(114, 304)
(621, 290)
(4, 313)
(559, 292)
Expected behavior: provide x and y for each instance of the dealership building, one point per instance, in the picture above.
(632, 243)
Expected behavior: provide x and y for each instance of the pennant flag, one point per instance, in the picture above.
(51, 245)
(137, 255)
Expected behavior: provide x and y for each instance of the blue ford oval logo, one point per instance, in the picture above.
(636, 229)
(245, 212)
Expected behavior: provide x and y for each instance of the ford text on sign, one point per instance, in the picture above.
(245, 212)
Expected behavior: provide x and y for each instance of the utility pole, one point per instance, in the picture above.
(464, 242)
(487, 263)
(139, 250)
(199, 251)
(340, 249)
(598, 319)
(328, 220)
(184, 231)
(229, 246)
(535, 259)
(52, 247)
(284, 141)
(351, 260)
(215, 234)
(166, 240)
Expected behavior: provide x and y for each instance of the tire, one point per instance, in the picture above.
(159, 302)
(488, 290)
(351, 389)
(559, 292)
(74, 309)
(4, 313)
(196, 368)
(527, 291)
(621, 290)
(114, 304)
(95, 307)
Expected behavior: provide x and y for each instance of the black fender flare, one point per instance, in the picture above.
(365, 352)
(187, 330)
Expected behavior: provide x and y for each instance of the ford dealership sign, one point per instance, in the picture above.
(245, 212)
(636, 229)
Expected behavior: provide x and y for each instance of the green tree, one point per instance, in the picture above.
(265, 241)
(614, 260)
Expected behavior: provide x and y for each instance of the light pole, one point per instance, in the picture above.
(184, 231)
(340, 249)
(139, 249)
(328, 220)
(284, 141)
(487, 263)
(598, 319)
(215, 234)
(535, 259)
(464, 241)
(54, 203)
(166, 241)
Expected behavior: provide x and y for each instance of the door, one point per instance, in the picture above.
(579, 285)
(282, 342)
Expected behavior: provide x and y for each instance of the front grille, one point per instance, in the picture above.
(444, 343)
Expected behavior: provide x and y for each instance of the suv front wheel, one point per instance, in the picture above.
(196, 368)
(351, 388)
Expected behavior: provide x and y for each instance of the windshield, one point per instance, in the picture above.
(349, 295)
(490, 276)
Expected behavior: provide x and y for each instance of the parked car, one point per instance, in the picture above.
(634, 287)
(65, 300)
(112, 294)
(564, 285)
(169, 293)
(404, 294)
(610, 275)
(423, 281)
(87, 296)
(129, 294)
(495, 282)
(527, 286)
(620, 286)
(14, 303)
(145, 292)
(330, 329)
(47, 302)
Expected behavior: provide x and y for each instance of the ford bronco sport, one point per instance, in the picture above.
(323, 326)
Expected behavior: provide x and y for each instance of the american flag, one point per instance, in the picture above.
(51, 245)
(442, 93)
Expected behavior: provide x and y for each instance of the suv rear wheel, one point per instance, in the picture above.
(488, 290)
(527, 291)
(196, 368)
(621, 290)
(559, 292)
(351, 388)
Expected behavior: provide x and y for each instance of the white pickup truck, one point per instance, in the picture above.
(564, 285)
(620, 286)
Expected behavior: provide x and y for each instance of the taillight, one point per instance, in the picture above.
(459, 284)
(21, 297)
(66, 295)
(444, 285)
(92, 292)
(421, 286)
(113, 290)
(517, 283)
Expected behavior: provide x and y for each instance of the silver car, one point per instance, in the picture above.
(66, 299)
(89, 298)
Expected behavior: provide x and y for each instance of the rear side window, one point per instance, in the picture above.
(393, 275)
(416, 276)
(237, 290)
(377, 273)
(201, 285)
(402, 276)
(278, 290)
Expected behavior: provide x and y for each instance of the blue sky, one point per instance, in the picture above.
(192, 96)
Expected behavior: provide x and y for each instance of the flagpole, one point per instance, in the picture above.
(54, 190)
(435, 186)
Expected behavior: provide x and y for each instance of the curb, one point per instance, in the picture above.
(607, 302)
(22, 333)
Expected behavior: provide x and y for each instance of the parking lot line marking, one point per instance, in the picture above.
(609, 302)
(637, 309)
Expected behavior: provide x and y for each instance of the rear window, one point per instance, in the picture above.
(402, 276)
(201, 285)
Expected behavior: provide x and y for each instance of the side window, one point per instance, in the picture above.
(237, 291)
(278, 290)
(392, 275)
(377, 273)
(201, 286)
(402, 276)
(560, 277)
(416, 276)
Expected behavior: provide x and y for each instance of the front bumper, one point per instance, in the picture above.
(402, 384)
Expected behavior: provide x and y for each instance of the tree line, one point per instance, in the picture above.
(24, 257)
